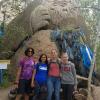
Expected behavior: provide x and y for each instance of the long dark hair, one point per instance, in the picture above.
(41, 57)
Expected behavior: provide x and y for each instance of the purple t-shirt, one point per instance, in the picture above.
(27, 64)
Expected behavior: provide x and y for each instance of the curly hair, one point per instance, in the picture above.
(27, 50)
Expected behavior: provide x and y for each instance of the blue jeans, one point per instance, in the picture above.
(53, 85)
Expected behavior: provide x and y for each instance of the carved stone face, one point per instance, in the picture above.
(45, 17)
(53, 13)
(48, 15)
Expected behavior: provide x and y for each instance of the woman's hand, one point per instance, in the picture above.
(16, 84)
(32, 84)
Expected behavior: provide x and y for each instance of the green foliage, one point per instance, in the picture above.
(14, 35)
(1, 46)
(6, 82)
(92, 17)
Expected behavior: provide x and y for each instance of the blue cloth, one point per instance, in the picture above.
(87, 56)
(56, 34)
(41, 73)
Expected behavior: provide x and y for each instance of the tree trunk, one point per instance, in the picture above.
(94, 56)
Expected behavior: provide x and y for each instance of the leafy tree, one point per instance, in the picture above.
(91, 11)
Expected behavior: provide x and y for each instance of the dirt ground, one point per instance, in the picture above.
(4, 94)
(96, 93)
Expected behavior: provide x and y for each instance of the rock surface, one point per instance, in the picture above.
(96, 93)
(47, 15)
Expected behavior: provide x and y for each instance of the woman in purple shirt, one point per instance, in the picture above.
(25, 75)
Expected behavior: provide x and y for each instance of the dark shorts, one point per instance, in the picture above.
(24, 87)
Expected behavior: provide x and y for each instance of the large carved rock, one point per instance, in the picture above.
(41, 42)
(49, 14)
(41, 15)
(37, 22)
(40, 21)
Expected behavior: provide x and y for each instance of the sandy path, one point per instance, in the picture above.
(4, 94)
(96, 93)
